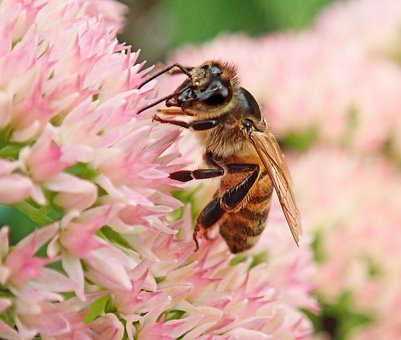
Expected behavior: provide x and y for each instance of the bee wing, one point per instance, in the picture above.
(275, 164)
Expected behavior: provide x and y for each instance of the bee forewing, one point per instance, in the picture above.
(274, 161)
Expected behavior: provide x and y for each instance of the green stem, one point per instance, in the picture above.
(36, 215)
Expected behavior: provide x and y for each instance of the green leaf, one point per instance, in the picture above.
(262, 257)
(317, 246)
(35, 214)
(374, 269)
(82, 170)
(299, 140)
(97, 308)
(56, 266)
(238, 259)
(109, 234)
(174, 314)
(10, 151)
(20, 225)
(177, 214)
(390, 149)
(7, 318)
(338, 319)
(257, 259)
(187, 197)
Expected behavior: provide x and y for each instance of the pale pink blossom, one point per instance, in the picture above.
(14, 188)
(86, 227)
(217, 298)
(106, 327)
(45, 159)
(20, 264)
(34, 288)
(363, 25)
(112, 12)
(356, 226)
(8, 333)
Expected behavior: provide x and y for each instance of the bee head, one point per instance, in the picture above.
(209, 85)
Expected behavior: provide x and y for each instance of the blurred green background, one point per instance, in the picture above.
(157, 27)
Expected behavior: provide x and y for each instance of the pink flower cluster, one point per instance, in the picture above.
(93, 176)
(357, 220)
(339, 82)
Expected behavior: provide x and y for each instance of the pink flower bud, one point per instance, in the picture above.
(14, 188)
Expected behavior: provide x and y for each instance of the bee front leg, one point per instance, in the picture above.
(175, 112)
(198, 125)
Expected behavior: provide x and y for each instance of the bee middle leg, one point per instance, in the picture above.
(228, 201)
(189, 175)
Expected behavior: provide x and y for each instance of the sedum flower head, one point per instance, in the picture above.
(357, 246)
(105, 258)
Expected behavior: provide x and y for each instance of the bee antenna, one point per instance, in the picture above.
(161, 100)
(168, 68)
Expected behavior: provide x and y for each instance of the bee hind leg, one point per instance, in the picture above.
(199, 229)
(195, 236)
(207, 219)
(227, 202)
(233, 197)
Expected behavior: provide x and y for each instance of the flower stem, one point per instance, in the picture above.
(36, 215)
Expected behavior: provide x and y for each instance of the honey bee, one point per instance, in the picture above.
(238, 147)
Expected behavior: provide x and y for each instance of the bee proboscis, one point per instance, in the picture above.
(238, 147)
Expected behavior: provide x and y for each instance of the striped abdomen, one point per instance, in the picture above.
(242, 229)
